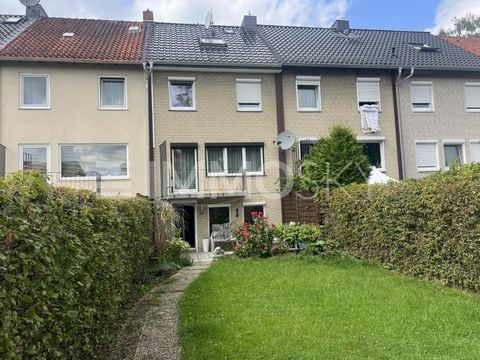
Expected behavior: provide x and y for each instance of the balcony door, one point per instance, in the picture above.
(184, 161)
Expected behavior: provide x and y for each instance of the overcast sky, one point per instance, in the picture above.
(378, 14)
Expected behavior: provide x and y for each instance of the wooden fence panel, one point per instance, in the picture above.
(300, 207)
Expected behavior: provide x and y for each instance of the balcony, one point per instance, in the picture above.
(189, 185)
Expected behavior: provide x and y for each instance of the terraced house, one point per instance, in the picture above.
(74, 102)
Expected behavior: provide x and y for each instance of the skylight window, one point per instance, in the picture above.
(68, 35)
(134, 29)
(423, 47)
(228, 31)
(212, 41)
(13, 20)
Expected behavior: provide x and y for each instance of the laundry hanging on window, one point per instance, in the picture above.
(369, 118)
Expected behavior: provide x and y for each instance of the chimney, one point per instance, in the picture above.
(35, 12)
(249, 23)
(341, 25)
(148, 15)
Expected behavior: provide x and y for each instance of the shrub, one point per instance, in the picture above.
(428, 228)
(302, 236)
(256, 239)
(336, 160)
(69, 262)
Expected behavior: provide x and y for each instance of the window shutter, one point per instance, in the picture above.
(421, 93)
(249, 92)
(368, 91)
(475, 152)
(426, 155)
(472, 96)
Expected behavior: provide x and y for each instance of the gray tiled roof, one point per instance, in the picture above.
(171, 43)
(8, 31)
(309, 46)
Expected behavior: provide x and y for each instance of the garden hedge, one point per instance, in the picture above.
(428, 228)
(69, 261)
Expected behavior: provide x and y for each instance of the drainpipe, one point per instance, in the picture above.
(148, 68)
(398, 81)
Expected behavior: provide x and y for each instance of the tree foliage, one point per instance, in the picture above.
(335, 161)
(466, 26)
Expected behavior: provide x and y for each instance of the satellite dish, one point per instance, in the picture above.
(286, 140)
(208, 19)
(30, 2)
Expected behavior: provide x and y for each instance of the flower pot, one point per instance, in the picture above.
(206, 243)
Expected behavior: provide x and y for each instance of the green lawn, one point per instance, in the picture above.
(289, 308)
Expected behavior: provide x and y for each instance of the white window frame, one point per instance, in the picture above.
(46, 106)
(457, 142)
(104, 177)
(210, 206)
(259, 203)
(252, 81)
(22, 147)
(477, 142)
(375, 140)
(244, 162)
(432, 168)
(311, 81)
(432, 103)
(369, 79)
(472, 84)
(125, 95)
(194, 96)
(181, 191)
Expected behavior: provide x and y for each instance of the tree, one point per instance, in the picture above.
(467, 26)
(335, 161)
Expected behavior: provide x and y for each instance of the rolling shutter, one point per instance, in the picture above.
(249, 92)
(472, 96)
(368, 90)
(426, 156)
(475, 152)
(421, 93)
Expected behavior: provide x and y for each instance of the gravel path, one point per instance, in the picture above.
(152, 332)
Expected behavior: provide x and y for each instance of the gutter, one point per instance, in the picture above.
(148, 68)
(397, 81)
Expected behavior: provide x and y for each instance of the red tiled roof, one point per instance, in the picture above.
(471, 44)
(94, 40)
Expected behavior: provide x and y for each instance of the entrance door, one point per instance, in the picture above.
(188, 212)
(218, 216)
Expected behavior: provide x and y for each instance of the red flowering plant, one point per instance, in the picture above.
(255, 239)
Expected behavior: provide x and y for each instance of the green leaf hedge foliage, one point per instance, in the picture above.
(69, 261)
(428, 228)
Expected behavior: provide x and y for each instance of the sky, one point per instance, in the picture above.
(430, 15)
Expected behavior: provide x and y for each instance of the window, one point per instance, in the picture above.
(422, 96)
(475, 151)
(472, 97)
(308, 93)
(374, 150)
(35, 157)
(184, 161)
(35, 91)
(305, 146)
(427, 156)
(368, 91)
(233, 160)
(249, 208)
(453, 153)
(108, 160)
(182, 94)
(249, 95)
(218, 215)
(113, 94)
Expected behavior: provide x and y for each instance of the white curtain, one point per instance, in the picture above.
(452, 153)
(235, 160)
(215, 160)
(35, 90)
(184, 171)
(254, 159)
(307, 96)
(113, 92)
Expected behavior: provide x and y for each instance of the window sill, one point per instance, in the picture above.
(428, 170)
(35, 108)
(473, 110)
(423, 111)
(309, 110)
(112, 109)
(182, 109)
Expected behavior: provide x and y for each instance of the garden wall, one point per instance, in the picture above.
(69, 261)
(428, 228)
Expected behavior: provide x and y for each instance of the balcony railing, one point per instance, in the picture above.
(197, 184)
(92, 181)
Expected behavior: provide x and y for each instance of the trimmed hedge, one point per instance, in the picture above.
(69, 261)
(428, 228)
